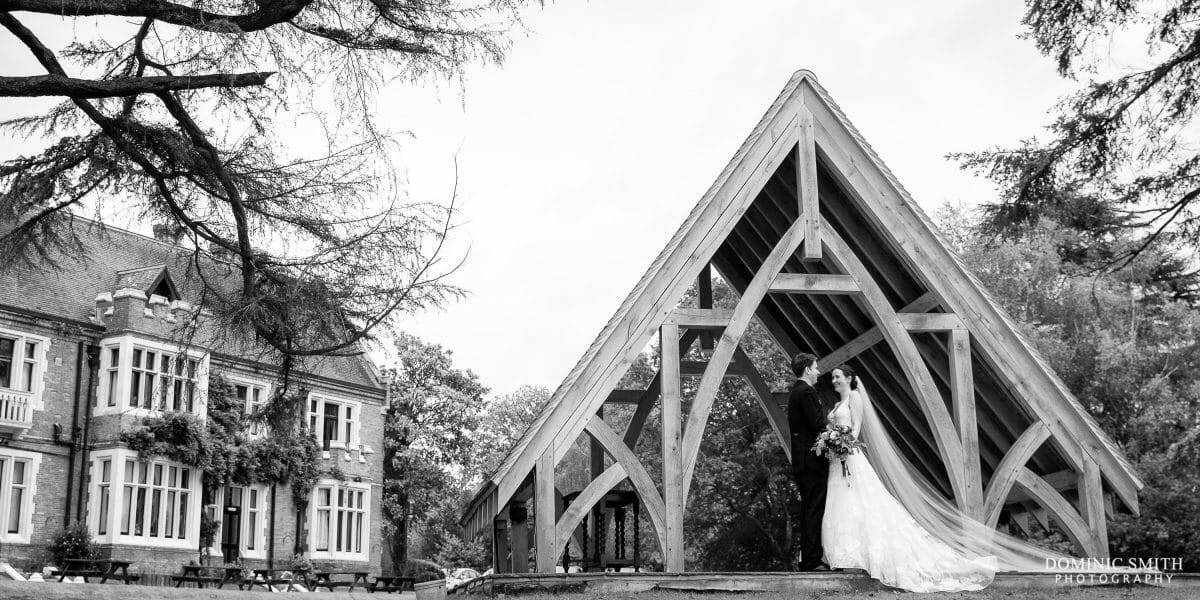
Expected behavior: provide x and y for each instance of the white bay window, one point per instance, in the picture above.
(143, 502)
(145, 376)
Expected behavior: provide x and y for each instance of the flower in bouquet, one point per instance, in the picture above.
(836, 443)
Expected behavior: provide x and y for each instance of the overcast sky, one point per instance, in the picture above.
(579, 157)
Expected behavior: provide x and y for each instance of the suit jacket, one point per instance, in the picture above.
(806, 419)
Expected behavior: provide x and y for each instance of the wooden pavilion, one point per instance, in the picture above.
(831, 254)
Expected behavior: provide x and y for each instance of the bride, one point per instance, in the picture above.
(867, 527)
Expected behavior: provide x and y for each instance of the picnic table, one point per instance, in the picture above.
(103, 568)
(271, 577)
(325, 579)
(202, 575)
(389, 584)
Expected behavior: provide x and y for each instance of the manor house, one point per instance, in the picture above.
(92, 347)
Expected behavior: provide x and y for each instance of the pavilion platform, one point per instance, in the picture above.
(825, 581)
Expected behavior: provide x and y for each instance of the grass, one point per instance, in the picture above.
(13, 590)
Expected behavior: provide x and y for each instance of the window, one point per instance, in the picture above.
(162, 381)
(252, 396)
(143, 502)
(333, 421)
(341, 522)
(144, 375)
(22, 362)
(18, 475)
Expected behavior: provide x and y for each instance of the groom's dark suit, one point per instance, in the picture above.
(806, 419)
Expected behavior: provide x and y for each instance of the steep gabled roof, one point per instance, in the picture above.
(735, 224)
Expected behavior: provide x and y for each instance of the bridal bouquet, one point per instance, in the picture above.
(836, 443)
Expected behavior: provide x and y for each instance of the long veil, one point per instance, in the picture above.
(940, 516)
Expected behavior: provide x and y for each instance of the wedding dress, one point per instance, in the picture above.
(865, 527)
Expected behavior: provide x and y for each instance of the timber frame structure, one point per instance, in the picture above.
(828, 251)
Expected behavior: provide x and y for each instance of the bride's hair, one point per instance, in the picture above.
(848, 372)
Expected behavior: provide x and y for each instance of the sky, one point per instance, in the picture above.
(578, 158)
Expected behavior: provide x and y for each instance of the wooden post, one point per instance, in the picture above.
(806, 185)
(519, 536)
(962, 395)
(672, 454)
(597, 467)
(544, 504)
(1091, 505)
(705, 301)
(500, 548)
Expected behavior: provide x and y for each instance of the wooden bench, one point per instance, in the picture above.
(389, 584)
(202, 575)
(105, 569)
(324, 579)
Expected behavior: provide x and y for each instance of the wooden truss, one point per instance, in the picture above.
(806, 127)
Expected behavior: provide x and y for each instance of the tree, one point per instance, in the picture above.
(180, 120)
(504, 422)
(1121, 152)
(429, 441)
(1126, 349)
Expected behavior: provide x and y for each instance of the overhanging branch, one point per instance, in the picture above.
(269, 13)
(57, 85)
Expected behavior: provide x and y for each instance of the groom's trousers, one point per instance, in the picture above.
(812, 486)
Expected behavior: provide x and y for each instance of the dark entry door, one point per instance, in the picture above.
(231, 524)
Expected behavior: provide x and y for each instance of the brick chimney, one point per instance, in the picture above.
(169, 233)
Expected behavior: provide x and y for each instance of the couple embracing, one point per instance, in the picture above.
(850, 519)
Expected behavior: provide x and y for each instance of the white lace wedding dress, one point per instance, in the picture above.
(865, 527)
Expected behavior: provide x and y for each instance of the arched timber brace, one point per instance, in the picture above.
(830, 254)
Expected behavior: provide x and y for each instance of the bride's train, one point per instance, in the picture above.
(865, 527)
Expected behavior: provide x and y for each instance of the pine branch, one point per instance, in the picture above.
(57, 85)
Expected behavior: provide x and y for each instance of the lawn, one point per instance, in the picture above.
(12, 590)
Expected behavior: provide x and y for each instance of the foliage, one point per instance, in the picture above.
(219, 446)
(1126, 346)
(74, 541)
(300, 562)
(1121, 154)
(506, 419)
(429, 444)
(209, 152)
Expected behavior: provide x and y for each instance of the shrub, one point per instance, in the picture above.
(74, 541)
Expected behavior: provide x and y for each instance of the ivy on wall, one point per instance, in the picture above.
(286, 453)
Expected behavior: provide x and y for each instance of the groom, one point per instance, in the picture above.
(806, 419)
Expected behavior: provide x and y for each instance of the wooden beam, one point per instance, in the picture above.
(625, 396)
(1006, 472)
(593, 493)
(699, 318)
(875, 304)
(806, 184)
(962, 401)
(1066, 479)
(766, 399)
(518, 533)
(672, 456)
(1091, 505)
(638, 476)
(699, 367)
(929, 322)
(545, 545)
(1060, 509)
(705, 300)
(871, 336)
(798, 283)
(500, 547)
(634, 429)
(707, 391)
